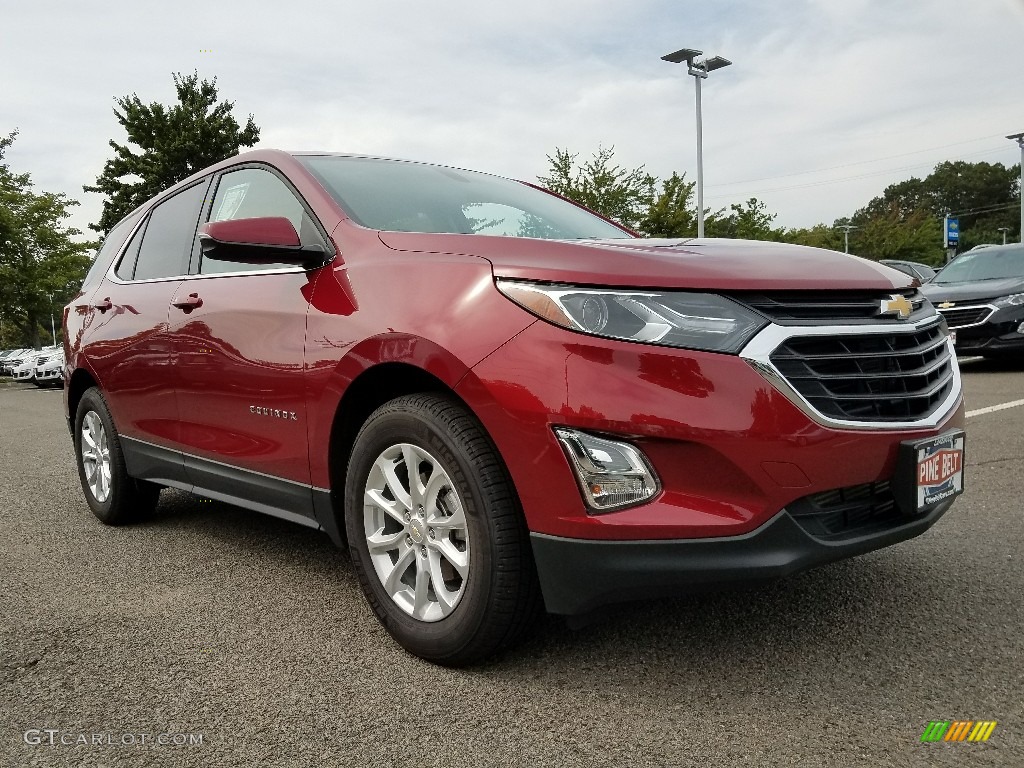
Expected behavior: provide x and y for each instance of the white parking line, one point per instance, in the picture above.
(994, 408)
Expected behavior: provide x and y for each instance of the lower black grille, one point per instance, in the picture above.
(847, 512)
(869, 377)
(958, 318)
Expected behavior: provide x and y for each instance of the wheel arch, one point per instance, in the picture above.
(371, 389)
(81, 381)
(367, 392)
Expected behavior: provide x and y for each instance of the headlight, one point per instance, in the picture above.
(671, 318)
(1013, 300)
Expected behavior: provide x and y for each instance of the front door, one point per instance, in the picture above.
(237, 333)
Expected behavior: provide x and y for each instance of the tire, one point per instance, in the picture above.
(462, 582)
(113, 496)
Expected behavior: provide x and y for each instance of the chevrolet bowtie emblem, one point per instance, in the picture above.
(947, 304)
(896, 305)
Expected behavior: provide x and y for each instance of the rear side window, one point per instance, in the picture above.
(166, 243)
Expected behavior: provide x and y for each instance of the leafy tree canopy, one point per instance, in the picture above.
(618, 193)
(904, 222)
(628, 196)
(173, 142)
(893, 235)
(749, 221)
(671, 213)
(983, 196)
(41, 265)
(818, 236)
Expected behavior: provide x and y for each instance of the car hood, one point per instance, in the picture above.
(973, 290)
(661, 263)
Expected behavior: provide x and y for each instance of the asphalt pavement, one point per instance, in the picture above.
(242, 640)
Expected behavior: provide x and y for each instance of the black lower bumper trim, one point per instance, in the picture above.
(580, 575)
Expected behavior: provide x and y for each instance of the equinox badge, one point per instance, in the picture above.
(275, 412)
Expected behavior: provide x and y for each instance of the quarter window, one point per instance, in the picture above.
(112, 242)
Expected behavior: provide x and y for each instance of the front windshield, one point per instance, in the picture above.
(400, 196)
(984, 264)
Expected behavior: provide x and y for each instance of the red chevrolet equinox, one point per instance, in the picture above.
(497, 400)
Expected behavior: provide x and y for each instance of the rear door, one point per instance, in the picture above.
(126, 341)
(237, 332)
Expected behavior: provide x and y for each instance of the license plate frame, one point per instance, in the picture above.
(929, 472)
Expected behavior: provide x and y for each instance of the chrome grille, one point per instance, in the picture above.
(963, 316)
(788, 307)
(875, 377)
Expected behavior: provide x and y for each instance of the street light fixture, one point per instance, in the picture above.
(53, 331)
(1004, 230)
(846, 235)
(1019, 138)
(699, 69)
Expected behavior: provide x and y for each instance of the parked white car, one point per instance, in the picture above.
(26, 370)
(50, 369)
(10, 361)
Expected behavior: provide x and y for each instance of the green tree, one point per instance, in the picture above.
(175, 142)
(903, 198)
(41, 265)
(749, 221)
(892, 235)
(970, 190)
(671, 213)
(818, 236)
(983, 196)
(631, 197)
(621, 194)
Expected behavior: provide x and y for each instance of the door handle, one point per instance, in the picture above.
(192, 301)
(104, 305)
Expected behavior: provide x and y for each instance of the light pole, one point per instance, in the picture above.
(1004, 230)
(1019, 138)
(699, 68)
(53, 330)
(846, 235)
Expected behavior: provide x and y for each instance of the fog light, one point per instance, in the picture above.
(1020, 328)
(611, 474)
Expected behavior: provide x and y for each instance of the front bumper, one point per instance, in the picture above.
(988, 340)
(578, 576)
(730, 450)
(51, 374)
(997, 335)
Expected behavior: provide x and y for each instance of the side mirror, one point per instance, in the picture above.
(263, 240)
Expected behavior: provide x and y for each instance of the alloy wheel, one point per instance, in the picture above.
(96, 456)
(416, 532)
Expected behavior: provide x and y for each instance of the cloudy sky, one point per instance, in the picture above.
(826, 103)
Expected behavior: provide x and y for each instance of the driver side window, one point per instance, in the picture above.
(251, 193)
